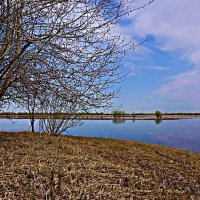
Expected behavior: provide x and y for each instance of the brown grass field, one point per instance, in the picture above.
(37, 166)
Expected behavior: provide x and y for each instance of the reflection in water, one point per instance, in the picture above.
(118, 121)
(158, 121)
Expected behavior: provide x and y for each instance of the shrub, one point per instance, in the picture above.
(118, 113)
(158, 114)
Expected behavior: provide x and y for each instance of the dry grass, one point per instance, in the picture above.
(34, 166)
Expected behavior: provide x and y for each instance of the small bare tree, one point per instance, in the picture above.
(58, 122)
(30, 101)
(29, 98)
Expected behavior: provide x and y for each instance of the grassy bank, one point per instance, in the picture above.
(34, 166)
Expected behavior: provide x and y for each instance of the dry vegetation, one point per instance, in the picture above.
(34, 166)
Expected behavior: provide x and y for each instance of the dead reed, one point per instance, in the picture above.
(34, 166)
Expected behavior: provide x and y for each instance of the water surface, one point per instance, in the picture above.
(184, 134)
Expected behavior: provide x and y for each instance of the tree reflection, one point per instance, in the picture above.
(118, 121)
(158, 121)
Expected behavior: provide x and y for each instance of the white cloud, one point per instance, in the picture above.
(175, 24)
(175, 21)
(183, 86)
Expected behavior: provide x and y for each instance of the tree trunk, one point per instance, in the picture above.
(33, 124)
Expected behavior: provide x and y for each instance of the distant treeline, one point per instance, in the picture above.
(97, 113)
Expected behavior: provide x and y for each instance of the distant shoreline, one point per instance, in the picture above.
(94, 116)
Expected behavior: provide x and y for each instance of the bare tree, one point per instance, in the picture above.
(57, 123)
(30, 101)
(67, 46)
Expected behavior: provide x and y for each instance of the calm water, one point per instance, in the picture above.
(184, 134)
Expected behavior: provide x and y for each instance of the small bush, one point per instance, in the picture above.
(158, 114)
(118, 113)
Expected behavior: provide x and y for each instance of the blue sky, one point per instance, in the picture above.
(164, 71)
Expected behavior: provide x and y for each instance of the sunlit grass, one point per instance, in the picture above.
(36, 166)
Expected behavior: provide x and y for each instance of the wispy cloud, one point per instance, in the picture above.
(156, 68)
(175, 26)
(183, 86)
